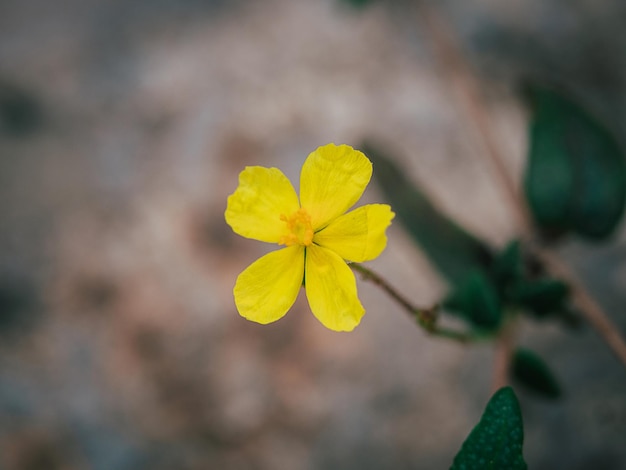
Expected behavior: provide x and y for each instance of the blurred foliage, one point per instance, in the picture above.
(542, 297)
(532, 372)
(522, 284)
(496, 441)
(576, 175)
(484, 284)
(476, 300)
(508, 267)
(452, 250)
(575, 183)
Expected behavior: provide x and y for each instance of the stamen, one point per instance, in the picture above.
(299, 227)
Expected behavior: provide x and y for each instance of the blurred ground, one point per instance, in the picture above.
(123, 128)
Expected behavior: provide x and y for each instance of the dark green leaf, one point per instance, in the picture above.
(549, 181)
(508, 267)
(532, 372)
(477, 301)
(540, 297)
(496, 441)
(453, 251)
(576, 174)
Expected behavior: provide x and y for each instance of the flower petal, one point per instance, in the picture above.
(333, 178)
(254, 209)
(358, 235)
(267, 289)
(331, 290)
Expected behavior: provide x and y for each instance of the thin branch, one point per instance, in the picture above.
(466, 88)
(504, 345)
(588, 306)
(460, 336)
(459, 74)
(426, 316)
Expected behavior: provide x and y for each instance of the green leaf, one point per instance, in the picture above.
(496, 441)
(452, 250)
(508, 266)
(576, 174)
(532, 372)
(476, 299)
(540, 297)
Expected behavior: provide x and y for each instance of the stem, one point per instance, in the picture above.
(426, 316)
(459, 74)
(466, 88)
(460, 336)
(592, 311)
(504, 344)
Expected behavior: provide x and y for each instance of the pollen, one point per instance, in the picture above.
(300, 230)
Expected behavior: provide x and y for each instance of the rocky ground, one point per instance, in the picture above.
(123, 128)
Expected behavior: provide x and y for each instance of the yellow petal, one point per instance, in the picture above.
(358, 235)
(255, 208)
(331, 290)
(333, 178)
(267, 289)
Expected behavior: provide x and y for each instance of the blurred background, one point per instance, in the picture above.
(123, 127)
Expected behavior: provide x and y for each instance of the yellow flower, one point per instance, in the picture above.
(317, 234)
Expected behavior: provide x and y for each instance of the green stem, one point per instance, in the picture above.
(426, 316)
(460, 336)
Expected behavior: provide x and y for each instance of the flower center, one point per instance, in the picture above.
(300, 229)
